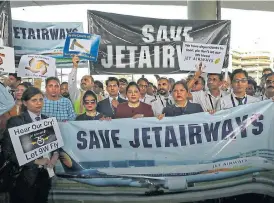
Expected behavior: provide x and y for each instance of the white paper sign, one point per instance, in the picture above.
(210, 55)
(36, 66)
(7, 63)
(34, 140)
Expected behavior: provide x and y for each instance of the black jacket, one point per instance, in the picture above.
(104, 107)
(190, 108)
(29, 170)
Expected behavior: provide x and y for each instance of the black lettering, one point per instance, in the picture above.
(241, 124)
(227, 129)
(94, 141)
(182, 135)
(136, 142)
(83, 141)
(75, 30)
(146, 137)
(23, 32)
(212, 131)
(38, 33)
(105, 138)
(170, 137)
(16, 32)
(45, 34)
(54, 34)
(62, 34)
(194, 131)
(115, 139)
(69, 30)
(31, 34)
(156, 131)
(259, 125)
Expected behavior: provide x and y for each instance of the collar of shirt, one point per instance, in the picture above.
(143, 99)
(111, 98)
(33, 116)
(238, 97)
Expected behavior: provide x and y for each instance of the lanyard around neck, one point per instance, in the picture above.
(233, 102)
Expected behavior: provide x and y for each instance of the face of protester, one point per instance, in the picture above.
(97, 89)
(87, 83)
(163, 87)
(150, 90)
(213, 82)
(133, 94)
(112, 88)
(143, 87)
(13, 82)
(250, 90)
(90, 103)
(269, 84)
(53, 89)
(64, 90)
(179, 93)
(198, 85)
(266, 72)
(19, 92)
(122, 87)
(239, 83)
(35, 103)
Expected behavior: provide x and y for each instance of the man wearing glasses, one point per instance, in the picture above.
(239, 97)
(269, 87)
(143, 85)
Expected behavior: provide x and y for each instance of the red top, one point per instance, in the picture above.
(124, 111)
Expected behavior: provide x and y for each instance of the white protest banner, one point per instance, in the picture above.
(7, 63)
(197, 155)
(210, 55)
(34, 140)
(36, 66)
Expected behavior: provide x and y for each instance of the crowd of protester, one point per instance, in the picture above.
(21, 103)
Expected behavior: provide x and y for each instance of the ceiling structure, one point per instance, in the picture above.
(246, 5)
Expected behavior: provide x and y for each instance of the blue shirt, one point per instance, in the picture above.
(61, 109)
(6, 100)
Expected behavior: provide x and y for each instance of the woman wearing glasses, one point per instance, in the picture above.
(90, 104)
(33, 183)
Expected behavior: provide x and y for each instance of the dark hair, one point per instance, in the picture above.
(180, 83)
(252, 82)
(52, 78)
(30, 92)
(203, 80)
(268, 75)
(25, 84)
(237, 71)
(220, 76)
(15, 75)
(111, 79)
(64, 83)
(123, 80)
(89, 93)
(132, 84)
(99, 84)
(267, 69)
(142, 79)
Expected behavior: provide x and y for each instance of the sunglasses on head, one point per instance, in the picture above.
(90, 101)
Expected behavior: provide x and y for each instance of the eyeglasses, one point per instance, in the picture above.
(270, 82)
(142, 86)
(41, 100)
(244, 80)
(90, 101)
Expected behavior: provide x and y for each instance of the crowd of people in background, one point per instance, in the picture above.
(21, 103)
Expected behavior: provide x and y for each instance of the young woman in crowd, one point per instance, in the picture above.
(133, 108)
(90, 104)
(182, 106)
(33, 183)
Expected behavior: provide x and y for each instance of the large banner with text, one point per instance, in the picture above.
(131, 44)
(193, 156)
(43, 38)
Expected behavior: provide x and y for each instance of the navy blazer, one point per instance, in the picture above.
(104, 107)
(190, 108)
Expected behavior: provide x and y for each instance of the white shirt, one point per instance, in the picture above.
(147, 99)
(33, 116)
(159, 103)
(206, 99)
(230, 101)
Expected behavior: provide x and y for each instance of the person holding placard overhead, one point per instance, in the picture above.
(33, 183)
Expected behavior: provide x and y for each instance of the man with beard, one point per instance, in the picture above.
(163, 99)
(76, 95)
(269, 87)
(64, 90)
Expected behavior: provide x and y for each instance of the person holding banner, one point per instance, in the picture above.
(33, 183)
(143, 85)
(181, 106)
(133, 108)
